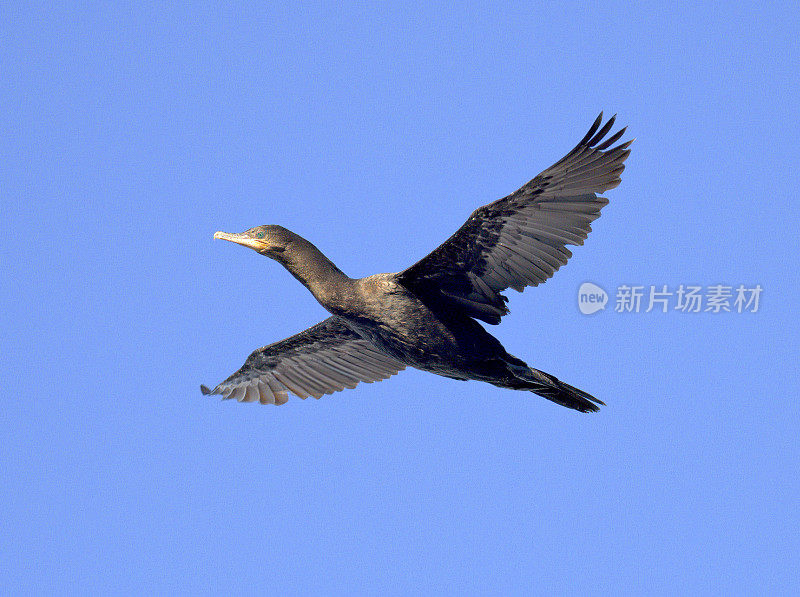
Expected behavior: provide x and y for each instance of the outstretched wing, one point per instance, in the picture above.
(520, 240)
(323, 359)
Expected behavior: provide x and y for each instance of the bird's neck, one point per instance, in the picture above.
(329, 285)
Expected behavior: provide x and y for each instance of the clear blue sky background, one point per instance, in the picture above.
(130, 133)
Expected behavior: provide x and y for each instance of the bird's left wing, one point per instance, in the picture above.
(323, 359)
(520, 240)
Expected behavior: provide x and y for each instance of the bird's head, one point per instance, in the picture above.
(270, 240)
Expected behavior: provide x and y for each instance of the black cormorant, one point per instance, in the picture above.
(425, 315)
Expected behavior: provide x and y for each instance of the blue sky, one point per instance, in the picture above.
(130, 133)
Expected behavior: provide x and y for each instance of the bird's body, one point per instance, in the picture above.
(425, 316)
(393, 318)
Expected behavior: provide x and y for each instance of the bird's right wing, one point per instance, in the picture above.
(323, 359)
(520, 240)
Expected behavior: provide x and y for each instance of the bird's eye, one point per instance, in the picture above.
(260, 235)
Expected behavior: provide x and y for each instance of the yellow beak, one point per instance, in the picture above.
(240, 239)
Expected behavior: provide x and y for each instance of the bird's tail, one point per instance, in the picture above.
(552, 388)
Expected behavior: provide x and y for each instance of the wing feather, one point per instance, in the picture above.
(323, 359)
(520, 240)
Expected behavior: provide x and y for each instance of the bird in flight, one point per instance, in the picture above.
(425, 316)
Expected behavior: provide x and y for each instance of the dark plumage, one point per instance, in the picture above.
(425, 315)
